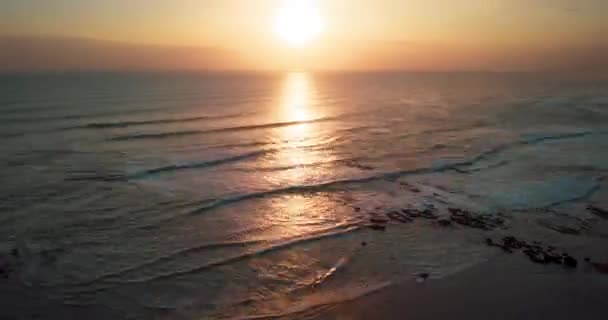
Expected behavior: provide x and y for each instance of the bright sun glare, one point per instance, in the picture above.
(298, 22)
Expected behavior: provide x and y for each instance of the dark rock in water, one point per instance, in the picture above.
(363, 243)
(537, 256)
(357, 209)
(378, 220)
(411, 213)
(428, 214)
(378, 227)
(555, 258)
(602, 213)
(410, 187)
(570, 262)
(455, 212)
(513, 243)
(506, 249)
(421, 277)
(536, 252)
(587, 259)
(600, 267)
(5, 267)
(472, 220)
(15, 252)
(398, 216)
(444, 222)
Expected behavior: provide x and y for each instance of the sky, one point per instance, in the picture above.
(419, 35)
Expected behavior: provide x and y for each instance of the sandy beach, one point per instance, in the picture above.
(502, 288)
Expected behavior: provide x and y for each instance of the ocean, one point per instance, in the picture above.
(260, 195)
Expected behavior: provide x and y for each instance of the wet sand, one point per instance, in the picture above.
(502, 288)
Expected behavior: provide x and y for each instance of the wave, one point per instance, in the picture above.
(210, 204)
(348, 162)
(197, 165)
(172, 168)
(113, 279)
(72, 116)
(316, 307)
(532, 141)
(168, 257)
(126, 124)
(459, 166)
(580, 197)
(165, 135)
(473, 126)
(333, 232)
(241, 145)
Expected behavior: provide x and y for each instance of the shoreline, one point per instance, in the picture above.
(522, 290)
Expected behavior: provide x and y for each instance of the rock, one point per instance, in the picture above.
(536, 256)
(400, 217)
(363, 243)
(457, 212)
(555, 258)
(377, 220)
(602, 213)
(5, 267)
(570, 262)
(428, 214)
(410, 187)
(600, 267)
(377, 227)
(357, 209)
(411, 213)
(587, 259)
(509, 239)
(478, 221)
(514, 243)
(506, 249)
(490, 242)
(421, 277)
(444, 222)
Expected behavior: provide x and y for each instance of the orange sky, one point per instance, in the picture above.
(357, 34)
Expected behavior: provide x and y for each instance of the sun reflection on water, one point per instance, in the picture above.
(297, 103)
(301, 156)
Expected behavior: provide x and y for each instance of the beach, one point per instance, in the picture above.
(498, 289)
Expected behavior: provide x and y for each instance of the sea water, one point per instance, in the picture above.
(248, 195)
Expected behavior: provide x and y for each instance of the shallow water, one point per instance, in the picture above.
(247, 195)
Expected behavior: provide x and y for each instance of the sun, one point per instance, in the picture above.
(298, 22)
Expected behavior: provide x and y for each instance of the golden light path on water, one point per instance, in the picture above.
(297, 103)
(300, 153)
(295, 217)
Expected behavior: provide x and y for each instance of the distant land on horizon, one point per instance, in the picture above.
(37, 53)
(58, 53)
